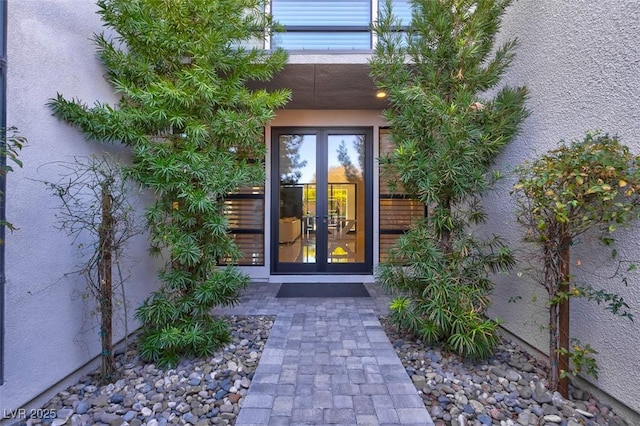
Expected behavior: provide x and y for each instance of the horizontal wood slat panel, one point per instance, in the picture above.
(252, 248)
(399, 213)
(248, 190)
(245, 212)
(386, 243)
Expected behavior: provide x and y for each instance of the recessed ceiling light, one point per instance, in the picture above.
(380, 94)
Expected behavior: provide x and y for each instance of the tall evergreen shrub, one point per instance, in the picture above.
(449, 121)
(196, 134)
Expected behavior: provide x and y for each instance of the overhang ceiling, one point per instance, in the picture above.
(327, 86)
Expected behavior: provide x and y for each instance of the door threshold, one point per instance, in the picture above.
(316, 278)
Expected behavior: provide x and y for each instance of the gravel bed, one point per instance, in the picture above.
(508, 389)
(197, 392)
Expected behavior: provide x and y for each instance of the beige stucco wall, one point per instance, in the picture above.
(581, 63)
(49, 330)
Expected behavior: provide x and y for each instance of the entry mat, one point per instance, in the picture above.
(322, 290)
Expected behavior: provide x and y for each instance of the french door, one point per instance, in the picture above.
(322, 188)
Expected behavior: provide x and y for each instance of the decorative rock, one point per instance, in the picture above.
(578, 394)
(484, 419)
(182, 407)
(77, 420)
(110, 419)
(226, 408)
(419, 381)
(477, 406)
(129, 415)
(552, 419)
(100, 401)
(158, 397)
(116, 398)
(540, 394)
(462, 420)
(496, 414)
(568, 411)
(526, 392)
(82, 407)
(512, 376)
(190, 418)
(437, 411)
(557, 400)
(245, 382)
(585, 413)
(523, 418)
(498, 371)
(508, 386)
(511, 385)
(64, 414)
(537, 410)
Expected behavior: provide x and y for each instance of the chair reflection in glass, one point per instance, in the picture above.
(309, 223)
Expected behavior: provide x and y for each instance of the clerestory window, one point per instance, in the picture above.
(330, 24)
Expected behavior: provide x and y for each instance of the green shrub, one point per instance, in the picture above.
(446, 131)
(592, 185)
(196, 132)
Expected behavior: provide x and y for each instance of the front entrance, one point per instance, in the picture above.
(322, 204)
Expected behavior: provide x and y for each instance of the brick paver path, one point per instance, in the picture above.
(327, 361)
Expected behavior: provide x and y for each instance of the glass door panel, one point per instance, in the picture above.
(322, 213)
(297, 198)
(345, 198)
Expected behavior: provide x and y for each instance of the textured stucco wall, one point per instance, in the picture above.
(50, 330)
(581, 63)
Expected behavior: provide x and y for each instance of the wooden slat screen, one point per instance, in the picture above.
(397, 214)
(245, 212)
(397, 211)
(252, 248)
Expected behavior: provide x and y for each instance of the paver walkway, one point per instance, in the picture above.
(327, 361)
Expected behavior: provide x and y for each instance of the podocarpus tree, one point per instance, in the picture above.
(196, 134)
(448, 121)
(588, 186)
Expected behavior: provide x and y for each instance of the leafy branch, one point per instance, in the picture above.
(591, 185)
(10, 146)
(95, 211)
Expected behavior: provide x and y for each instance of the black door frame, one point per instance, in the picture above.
(322, 266)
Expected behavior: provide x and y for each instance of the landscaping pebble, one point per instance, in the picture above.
(508, 389)
(196, 392)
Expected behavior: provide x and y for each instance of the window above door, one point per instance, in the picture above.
(342, 25)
